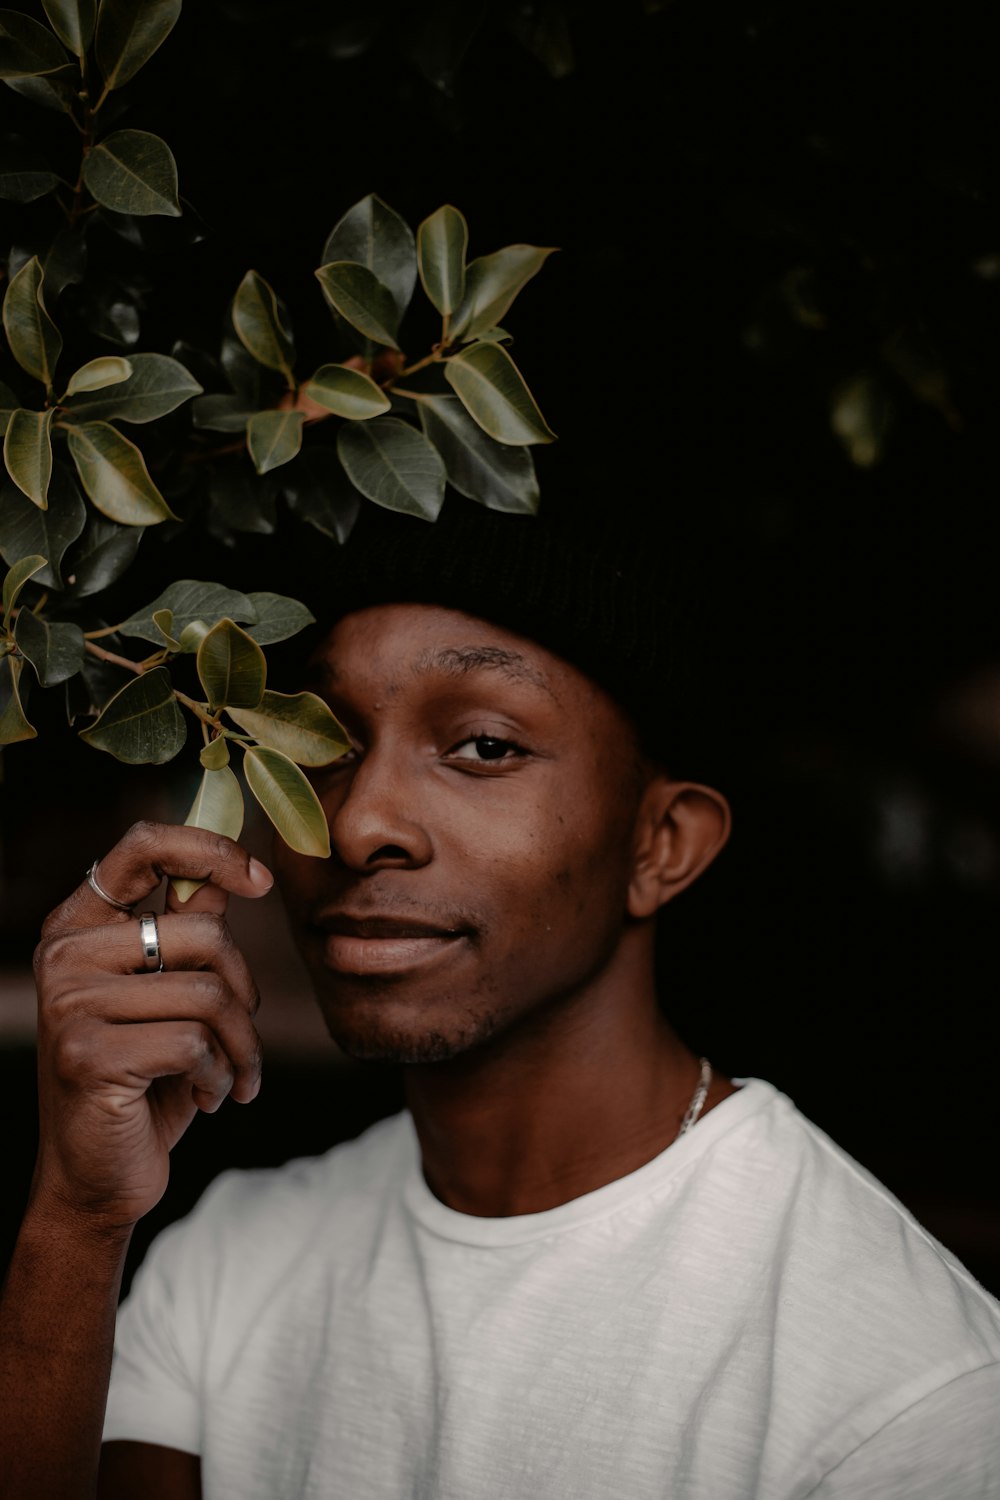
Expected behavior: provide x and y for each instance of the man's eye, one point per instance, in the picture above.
(486, 747)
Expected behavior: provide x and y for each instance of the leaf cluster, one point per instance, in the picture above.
(129, 442)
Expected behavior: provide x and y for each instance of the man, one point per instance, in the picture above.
(582, 1264)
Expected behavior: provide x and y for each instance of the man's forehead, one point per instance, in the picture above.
(425, 641)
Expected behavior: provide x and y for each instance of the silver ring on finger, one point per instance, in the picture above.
(149, 937)
(99, 890)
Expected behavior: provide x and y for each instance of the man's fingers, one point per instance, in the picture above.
(198, 941)
(120, 1062)
(205, 998)
(135, 866)
(207, 897)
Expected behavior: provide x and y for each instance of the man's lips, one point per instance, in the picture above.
(383, 944)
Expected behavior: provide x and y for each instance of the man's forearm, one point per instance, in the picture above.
(57, 1320)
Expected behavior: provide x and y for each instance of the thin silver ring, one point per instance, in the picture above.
(149, 937)
(99, 890)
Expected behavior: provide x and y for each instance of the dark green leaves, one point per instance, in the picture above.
(258, 325)
(274, 437)
(142, 724)
(55, 650)
(288, 800)
(299, 725)
(156, 386)
(27, 453)
(128, 33)
(231, 667)
(14, 725)
(491, 284)
(189, 600)
(34, 339)
(133, 172)
(347, 393)
(73, 22)
(21, 180)
(27, 47)
(497, 475)
(394, 465)
(113, 472)
(320, 493)
(96, 374)
(373, 235)
(492, 390)
(278, 617)
(25, 529)
(362, 299)
(442, 241)
(14, 581)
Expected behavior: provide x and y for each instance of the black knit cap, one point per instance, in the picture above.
(596, 578)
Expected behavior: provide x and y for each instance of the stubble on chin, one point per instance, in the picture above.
(372, 1040)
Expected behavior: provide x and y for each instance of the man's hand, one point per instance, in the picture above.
(126, 1057)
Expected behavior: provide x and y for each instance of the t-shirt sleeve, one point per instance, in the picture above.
(155, 1394)
(945, 1445)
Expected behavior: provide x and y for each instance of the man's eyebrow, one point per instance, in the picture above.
(458, 661)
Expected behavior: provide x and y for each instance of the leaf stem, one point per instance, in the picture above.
(95, 635)
(421, 364)
(118, 661)
(199, 710)
(399, 391)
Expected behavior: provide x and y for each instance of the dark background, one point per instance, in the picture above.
(767, 214)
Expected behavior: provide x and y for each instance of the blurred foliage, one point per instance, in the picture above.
(371, 424)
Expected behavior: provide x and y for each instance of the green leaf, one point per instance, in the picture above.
(498, 476)
(34, 339)
(16, 578)
(73, 22)
(491, 284)
(492, 390)
(218, 806)
(129, 33)
(215, 754)
(142, 724)
(242, 500)
(13, 724)
(288, 800)
(362, 299)
(113, 472)
(222, 413)
(189, 601)
(163, 619)
(274, 437)
(373, 235)
(320, 493)
(394, 465)
(27, 47)
(27, 453)
(53, 92)
(25, 529)
(22, 184)
(231, 667)
(300, 725)
(347, 393)
(258, 325)
(442, 240)
(8, 404)
(97, 374)
(156, 386)
(278, 618)
(55, 651)
(104, 553)
(133, 172)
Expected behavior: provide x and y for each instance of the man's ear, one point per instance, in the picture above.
(679, 830)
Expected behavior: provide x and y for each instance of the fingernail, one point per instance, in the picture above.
(260, 876)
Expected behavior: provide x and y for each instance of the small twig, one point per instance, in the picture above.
(118, 661)
(197, 709)
(413, 395)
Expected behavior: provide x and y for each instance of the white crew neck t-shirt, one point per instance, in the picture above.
(750, 1314)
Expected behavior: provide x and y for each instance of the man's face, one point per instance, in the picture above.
(482, 833)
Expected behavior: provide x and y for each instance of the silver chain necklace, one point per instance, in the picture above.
(698, 1098)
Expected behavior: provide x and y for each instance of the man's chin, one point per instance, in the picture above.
(372, 1038)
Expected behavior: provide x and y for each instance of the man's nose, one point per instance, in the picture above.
(375, 824)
